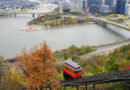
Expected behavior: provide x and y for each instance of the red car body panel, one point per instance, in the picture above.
(125, 68)
(71, 74)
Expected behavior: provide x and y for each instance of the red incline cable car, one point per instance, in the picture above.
(71, 70)
(125, 68)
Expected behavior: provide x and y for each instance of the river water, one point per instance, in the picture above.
(12, 39)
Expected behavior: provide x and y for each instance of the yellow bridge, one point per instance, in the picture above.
(108, 20)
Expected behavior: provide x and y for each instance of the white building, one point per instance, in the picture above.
(65, 4)
(127, 10)
(74, 7)
(127, 1)
(114, 2)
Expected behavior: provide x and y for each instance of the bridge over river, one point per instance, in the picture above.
(108, 20)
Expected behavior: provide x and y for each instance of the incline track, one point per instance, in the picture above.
(123, 75)
(118, 76)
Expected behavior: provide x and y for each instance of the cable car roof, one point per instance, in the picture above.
(72, 65)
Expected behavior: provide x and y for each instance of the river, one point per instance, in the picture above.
(12, 39)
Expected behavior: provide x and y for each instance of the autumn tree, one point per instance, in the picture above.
(37, 67)
(3, 74)
(14, 81)
(8, 80)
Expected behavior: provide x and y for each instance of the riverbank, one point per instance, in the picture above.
(39, 27)
(65, 26)
(105, 49)
(91, 52)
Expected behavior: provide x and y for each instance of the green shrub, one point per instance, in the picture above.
(58, 54)
(72, 50)
(89, 49)
(112, 64)
(75, 57)
(65, 56)
(82, 50)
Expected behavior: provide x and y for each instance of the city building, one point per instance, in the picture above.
(112, 5)
(11, 5)
(104, 10)
(127, 1)
(114, 2)
(91, 2)
(113, 8)
(66, 5)
(84, 4)
(100, 2)
(76, 1)
(74, 7)
(92, 5)
(99, 6)
(93, 9)
(109, 2)
(127, 11)
(120, 7)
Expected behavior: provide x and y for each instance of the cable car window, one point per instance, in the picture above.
(72, 71)
(77, 72)
(67, 69)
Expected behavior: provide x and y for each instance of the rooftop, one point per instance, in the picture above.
(72, 64)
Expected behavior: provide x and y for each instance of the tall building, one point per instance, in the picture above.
(97, 2)
(84, 6)
(109, 2)
(101, 2)
(127, 1)
(127, 11)
(112, 5)
(90, 2)
(66, 5)
(120, 6)
(114, 2)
